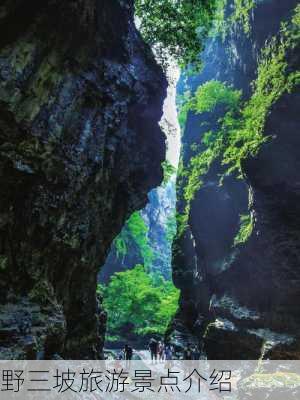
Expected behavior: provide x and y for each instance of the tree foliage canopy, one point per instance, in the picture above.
(143, 302)
(176, 27)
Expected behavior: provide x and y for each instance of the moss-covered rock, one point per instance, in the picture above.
(80, 148)
(236, 255)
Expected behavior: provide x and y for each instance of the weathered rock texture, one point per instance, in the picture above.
(243, 301)
(80, 147)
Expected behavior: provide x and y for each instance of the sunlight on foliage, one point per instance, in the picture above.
(226, 20)
(121, 247)
(176, 27)
(240, 132)
(246, 229)
(213, 93)
(207, 97)
(138, 302)
(241, 13)
(135, 230)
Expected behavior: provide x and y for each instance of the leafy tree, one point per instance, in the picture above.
(176, 27)
(143, 302)
(213, 93)
(135, 230)
(139, 232)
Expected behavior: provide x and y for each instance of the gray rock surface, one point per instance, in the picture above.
(80, 148)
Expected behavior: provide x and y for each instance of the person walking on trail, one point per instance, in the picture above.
(153, 347)
(128, 352)
(168, 355)
(168, 352)
(161, 351)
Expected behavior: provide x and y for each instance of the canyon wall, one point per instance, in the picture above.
(80, 148)
(240, 277)
(159, 226)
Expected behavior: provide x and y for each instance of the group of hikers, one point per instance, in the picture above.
(162, 351)
(126, 354)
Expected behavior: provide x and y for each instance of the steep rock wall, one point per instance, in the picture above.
(240, 301)
(80, 148)
(159, 220)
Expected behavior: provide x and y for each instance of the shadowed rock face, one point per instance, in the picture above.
(243, 301)
(80, 148)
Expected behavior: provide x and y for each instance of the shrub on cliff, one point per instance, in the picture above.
(239, 132)
(135, 231)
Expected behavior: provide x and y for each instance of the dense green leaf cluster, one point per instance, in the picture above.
(213, 93)
(176, 27)
(226, 20)
(246, 229)
(135, 231)
(169, 171)
(138, 301)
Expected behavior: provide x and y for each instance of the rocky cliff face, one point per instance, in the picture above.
(80, 147)
(160, 217)
(239, 298)
(159, 221)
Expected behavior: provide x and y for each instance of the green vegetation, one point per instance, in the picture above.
(138, 303)
(245, 131)
(239, 132)
(135, 231)
(213, 93)
(239, 16)
(176, 27)
(246, 229)
(171, 228)
(207, 98)
(121, 246)
(183, 106)
(169, 171)
(180, 27)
